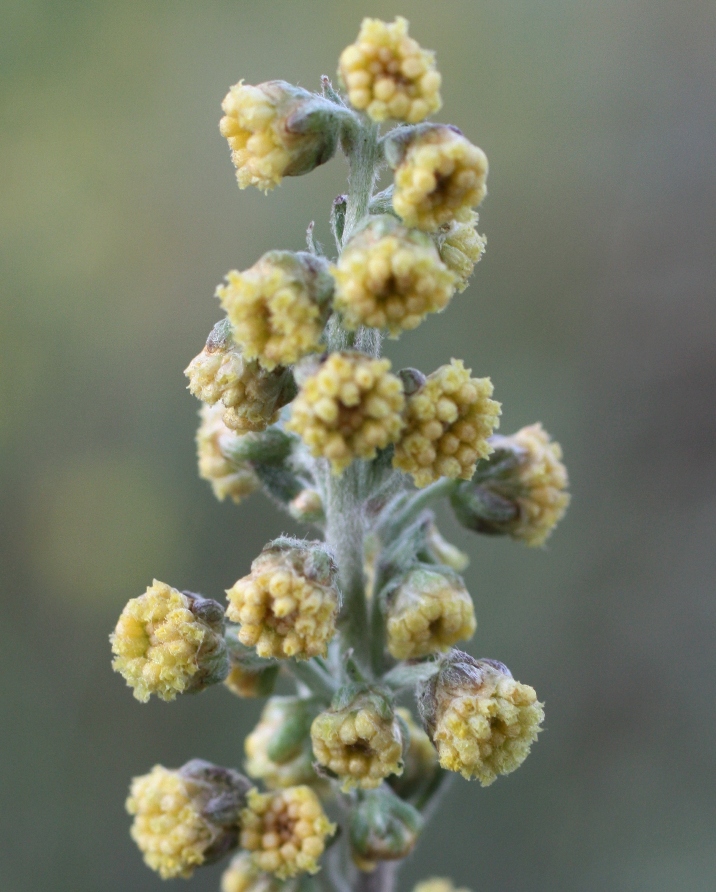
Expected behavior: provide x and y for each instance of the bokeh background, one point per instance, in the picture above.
(593, 312)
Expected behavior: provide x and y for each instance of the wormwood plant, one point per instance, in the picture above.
(297, 401)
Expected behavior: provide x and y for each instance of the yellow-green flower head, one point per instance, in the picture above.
(390, 277)
(285, 831)
(388, 75)
(168, 642)
(276, 130)
(461, 247)
(429, 611)
(350, 408)
(360, 742)
(278, 750)
(251, 395)
(421, 760)
(542, 483)
(249, 683)
(227, 478)
(448, 422)
(482, 722)
(444, 552)
(439, 176)
(187, 817)
(438, 884)
(307, 507)
(242, 875)
(287, 606)
(278, 307)
(382, 828)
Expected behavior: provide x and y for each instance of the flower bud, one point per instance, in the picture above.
(278, 307)
(307, 507)
(287, 605)
(359, 741)
(428, 611)
(448, 422)
(252, 396)
(481, 721)
(285, 831)
(388, 75)
(383, 828)
(168, 642)
(519, 492)
(439, 175)
(213, 440)
(278, 750)
(421, 760)
(242, 875)
(437, 884)
(461, 247)
(251, 683)
(349, 408)
(390, 277)
(276, 130)
(187, 817)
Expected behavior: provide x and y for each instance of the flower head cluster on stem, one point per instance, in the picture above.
(298, 402)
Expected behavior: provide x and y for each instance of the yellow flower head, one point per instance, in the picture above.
(461, 247)
(175, 826)
(439, 176)
(251, 395)
(242, 875)
(428, 612)
(287, 605)
(278, 307)
(480, 719)
(227, 478)
(285, 831)
(542, 483)
(388, 75)
(437, 884)
(390, 277)
(278, 750)
(360, 742)
(167, 642)
(350, 408)
(449, 419)
(276, 130)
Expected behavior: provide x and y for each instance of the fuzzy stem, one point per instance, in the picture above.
(361, 147)
(314, 677)
(412, 504)
(382, 879)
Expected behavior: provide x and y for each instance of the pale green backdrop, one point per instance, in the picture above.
(593, 312)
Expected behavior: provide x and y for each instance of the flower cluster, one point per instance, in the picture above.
(388, 75)
(297, 401)
(285, 831)
(287, 605)
(448, 422)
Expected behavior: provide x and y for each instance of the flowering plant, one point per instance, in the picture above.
(297, 401)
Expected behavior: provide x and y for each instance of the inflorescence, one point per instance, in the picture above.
(297, 401)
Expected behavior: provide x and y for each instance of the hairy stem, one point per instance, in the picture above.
(382, 879)
(361, 147)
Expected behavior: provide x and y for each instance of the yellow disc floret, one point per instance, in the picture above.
(428, 612)
(161, 647)
(285, 831)
(440, 178)
(388, 75)
(461, 248)
(390, 277)
(543, 480)
(287, 605)
(275, 308)
(449, 420)
(227, 478)
(482, 722)
(360, 743)
(348, 409)
(272, 132)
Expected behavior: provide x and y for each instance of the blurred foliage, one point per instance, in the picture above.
(593, 312)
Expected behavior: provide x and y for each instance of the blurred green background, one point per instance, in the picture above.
(593, 312)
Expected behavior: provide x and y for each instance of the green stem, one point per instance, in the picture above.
(361, 147)
(316, 679)
(382, 879)
(413, 503)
